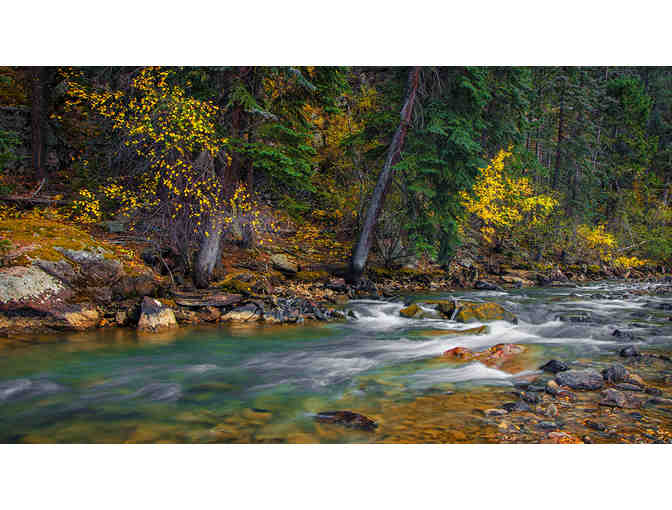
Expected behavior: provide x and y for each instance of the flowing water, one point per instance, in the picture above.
(265, 383)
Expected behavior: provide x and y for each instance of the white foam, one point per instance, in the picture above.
(470, 372)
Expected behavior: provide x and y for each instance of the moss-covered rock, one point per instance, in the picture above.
(469, 311)
(411, 311)
(283, 263)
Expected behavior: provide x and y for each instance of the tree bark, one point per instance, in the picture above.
(558, 150)
(361, 251)
(209, 253)
(38, 120)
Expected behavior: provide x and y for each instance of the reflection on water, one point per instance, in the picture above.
(265, 383)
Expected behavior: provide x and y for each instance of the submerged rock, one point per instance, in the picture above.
(629, 352)
(481, 330)
(554, 366)
(580, 379)
(615, 373)
(494, 356)
(519, 406)
(347, 419)
(460, 353)
(613, 398)
(155, 316)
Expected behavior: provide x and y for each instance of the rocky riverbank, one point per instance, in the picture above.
(58, 277)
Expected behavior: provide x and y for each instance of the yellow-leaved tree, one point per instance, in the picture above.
(499, 205)
(180, 190)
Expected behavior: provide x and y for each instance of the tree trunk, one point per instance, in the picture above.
(558, 151)
(209, 253)
(38, 120)
(361, 252)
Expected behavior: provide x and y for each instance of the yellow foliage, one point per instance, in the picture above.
(501, 202)
(596, 240)
(165, 127)
(628, 262)
(86, 207)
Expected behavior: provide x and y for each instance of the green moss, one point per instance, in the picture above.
(379, 272)
(594, 268)
(312, 276)
(470, 311)
(38, 239)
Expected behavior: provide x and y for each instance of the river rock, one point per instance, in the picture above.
(155, 316)
(635, 379)
(518, 406)
(470, 311)
(613, 398)
(552, 388)
(628, 387)
(78, 316)
(282, 262)
(588, 379)
(615, 373)
(660, 401)
(246, 313)
(629, 352)
(459, 353)
(554, 366)
(600, 427)
(347, 419)
(483, 285)
(411, 312)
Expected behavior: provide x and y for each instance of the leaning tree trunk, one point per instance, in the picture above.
(361, 252)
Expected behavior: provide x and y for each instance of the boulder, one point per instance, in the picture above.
(459, 353)
(580, 379)
(554, 366)
(30, 287)
(615, 373)
(468, 311)
(78, 317)
(517, 281)
(347, 419)
(411, 312)
(245, 313)
(494, 356)
(282, 262)
(155, 316)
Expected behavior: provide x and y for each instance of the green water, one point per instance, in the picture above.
(265, 384)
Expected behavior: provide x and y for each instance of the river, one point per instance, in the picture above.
(266, 383)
